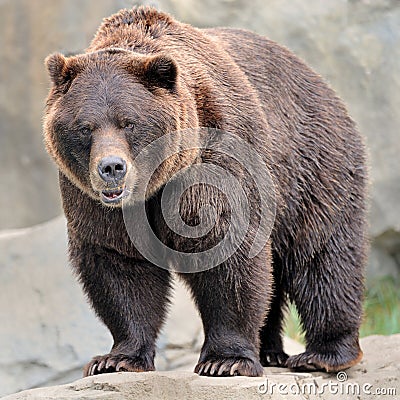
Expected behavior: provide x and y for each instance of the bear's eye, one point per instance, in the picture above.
(85, 130)
(128, 125)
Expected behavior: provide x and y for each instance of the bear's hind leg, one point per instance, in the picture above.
(271, 344)
(328, 295)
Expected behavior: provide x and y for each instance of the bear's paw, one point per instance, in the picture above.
(273, 359)
(329, 362)
(231, 366)
(116, 363)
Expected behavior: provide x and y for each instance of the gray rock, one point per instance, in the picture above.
(382, 263)
(48, 331)
(183, 326)
(379, 371)
(182, 335)
(29, 31)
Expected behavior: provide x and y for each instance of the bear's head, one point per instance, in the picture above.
(104, 108)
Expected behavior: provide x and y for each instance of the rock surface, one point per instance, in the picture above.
(47, 330)
(376, 377)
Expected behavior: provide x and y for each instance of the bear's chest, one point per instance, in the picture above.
(91, 222)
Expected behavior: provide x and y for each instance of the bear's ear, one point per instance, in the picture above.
(62, 70)
(160, 71)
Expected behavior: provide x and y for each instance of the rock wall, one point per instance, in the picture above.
(47, 330)
(29, 31)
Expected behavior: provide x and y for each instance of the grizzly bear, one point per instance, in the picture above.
(146, 75)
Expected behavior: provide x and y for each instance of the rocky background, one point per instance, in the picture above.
(47, 330)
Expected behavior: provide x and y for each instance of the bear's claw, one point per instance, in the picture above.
(274, 359)
(229, 367)
(116, 363)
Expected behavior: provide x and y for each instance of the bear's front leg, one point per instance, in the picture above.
(130, 297)
(232, 299)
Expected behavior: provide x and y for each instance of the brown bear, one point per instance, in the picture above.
(146, 75)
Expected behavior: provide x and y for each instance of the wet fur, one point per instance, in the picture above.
(247, 85)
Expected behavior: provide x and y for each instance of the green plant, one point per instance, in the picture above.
(381, 311)
(293, 325)
(382, 308)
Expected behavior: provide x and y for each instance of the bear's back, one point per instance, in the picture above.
(319, 156)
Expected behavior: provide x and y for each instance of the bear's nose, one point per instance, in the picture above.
(112, 169)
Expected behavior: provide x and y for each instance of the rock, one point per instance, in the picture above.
(378, 373)
(183, 326)
(178, 344)
(29, 31)
(48, 331)
(291, 346)
(382, 263)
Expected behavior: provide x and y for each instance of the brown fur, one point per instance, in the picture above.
(146, 74)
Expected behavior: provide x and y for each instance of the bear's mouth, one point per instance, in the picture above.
(113, 196)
